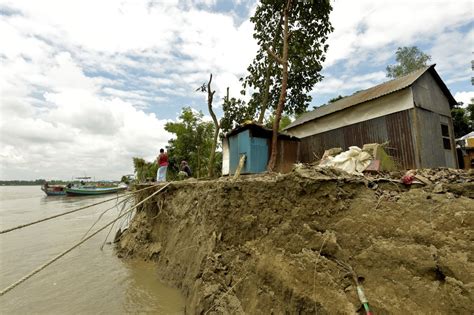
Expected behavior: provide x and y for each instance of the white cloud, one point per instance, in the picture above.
(75, 129)
(464, 97)
(452, 53)
(346, 85)
(76, 77)
(368, 32)
(365, 28)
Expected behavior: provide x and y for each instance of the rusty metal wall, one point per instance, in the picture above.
(400, 137)
(395, 128)
(287, 155)
(432, 151)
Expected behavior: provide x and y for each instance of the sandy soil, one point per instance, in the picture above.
(273, 244)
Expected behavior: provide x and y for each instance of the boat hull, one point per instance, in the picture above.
(54, 190)
(80, 191)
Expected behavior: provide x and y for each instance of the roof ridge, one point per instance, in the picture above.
(359, 94)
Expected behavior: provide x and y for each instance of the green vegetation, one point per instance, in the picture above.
(144, 170)
(236, 112)
(29, 182)
(284, 122)
(334, 99)
(463, 119)
(292, 37)
(408, 59)
(192, 142)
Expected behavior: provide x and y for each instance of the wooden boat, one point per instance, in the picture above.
(92, 190)
(54, 190)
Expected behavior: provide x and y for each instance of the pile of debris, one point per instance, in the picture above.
(371, 158)
(373, 162)
(445, 175)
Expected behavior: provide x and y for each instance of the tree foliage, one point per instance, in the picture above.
(292, 38)
(335, 99)
(144, 170)
(309, 26)
(192, 143)
(463, 119)
(408, 59)
(236, 112)
(284, 122)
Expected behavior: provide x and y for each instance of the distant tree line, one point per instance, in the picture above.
(30, 182)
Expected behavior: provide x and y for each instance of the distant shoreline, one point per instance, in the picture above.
(39, 182)
(21, 185)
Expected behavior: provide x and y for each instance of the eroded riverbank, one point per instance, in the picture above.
(272, 244)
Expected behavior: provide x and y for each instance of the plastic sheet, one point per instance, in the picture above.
(353, 161)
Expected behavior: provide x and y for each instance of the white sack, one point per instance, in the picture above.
(353, 161)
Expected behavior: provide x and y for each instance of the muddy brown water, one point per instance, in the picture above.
(85, 281)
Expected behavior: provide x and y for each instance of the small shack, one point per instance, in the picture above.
(254, 141)
(412, 113)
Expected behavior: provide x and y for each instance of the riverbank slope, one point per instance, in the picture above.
(274, 244)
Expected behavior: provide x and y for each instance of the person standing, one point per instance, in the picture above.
(162, 161)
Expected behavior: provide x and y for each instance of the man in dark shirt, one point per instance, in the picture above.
(185, 169)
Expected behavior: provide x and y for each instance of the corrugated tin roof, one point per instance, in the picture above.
(371, 94)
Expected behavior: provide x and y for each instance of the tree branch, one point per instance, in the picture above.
(275, 56)
(210, 97)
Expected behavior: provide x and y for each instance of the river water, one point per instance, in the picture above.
(86, 280)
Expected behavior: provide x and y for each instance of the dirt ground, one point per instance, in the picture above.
(274, 244)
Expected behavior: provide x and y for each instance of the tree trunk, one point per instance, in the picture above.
(266, 93)
(284, 83)
(198, 163)
(210, 96)
(266, 88)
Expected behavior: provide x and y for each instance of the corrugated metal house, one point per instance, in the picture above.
(254, 141)
(412, 112)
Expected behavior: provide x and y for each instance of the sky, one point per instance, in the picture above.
(87, 85)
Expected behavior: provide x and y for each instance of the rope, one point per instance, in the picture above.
(112, 226)
(68, 212)
(102, 214)
(12, 286)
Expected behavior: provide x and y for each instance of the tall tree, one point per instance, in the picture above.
(261, 78)
(463, 118)
(293, 34)
(408, 59)
(460, 121)
(470, 114)
(192, 142)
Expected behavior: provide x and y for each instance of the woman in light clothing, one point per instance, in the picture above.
(162, 161)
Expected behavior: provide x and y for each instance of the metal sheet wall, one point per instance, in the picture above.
(432, 151)
(395, 128)
(287, 155)
(257, 150)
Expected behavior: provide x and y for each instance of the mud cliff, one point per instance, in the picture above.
(273, 244)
